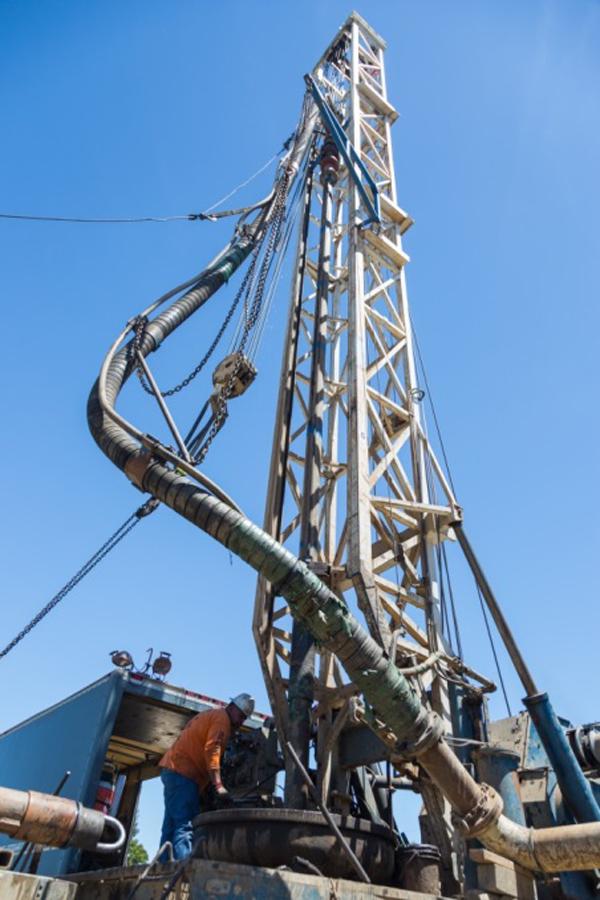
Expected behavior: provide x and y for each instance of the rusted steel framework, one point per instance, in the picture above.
(355, 487)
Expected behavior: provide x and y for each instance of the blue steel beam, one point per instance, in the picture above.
(575, 787)
(356, 166)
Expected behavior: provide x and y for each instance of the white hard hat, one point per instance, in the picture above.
(245, 703)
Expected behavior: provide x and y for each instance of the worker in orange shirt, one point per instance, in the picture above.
(193, 764)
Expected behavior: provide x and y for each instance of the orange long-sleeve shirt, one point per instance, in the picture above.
(199, 747)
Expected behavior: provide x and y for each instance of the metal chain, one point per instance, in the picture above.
(140, 329)
(139, 332)
(92, 562)
(251, 314)
(227, 389)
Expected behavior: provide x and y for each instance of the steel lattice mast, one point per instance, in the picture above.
(354, 484)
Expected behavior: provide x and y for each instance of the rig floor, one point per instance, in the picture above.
(203, 879)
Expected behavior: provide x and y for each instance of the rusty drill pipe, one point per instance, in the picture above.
(57, 822)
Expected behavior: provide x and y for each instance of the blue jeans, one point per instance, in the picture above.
(182, 804)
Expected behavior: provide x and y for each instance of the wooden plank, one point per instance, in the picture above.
(383, 106)
(279, 613)
(395, 213)
(401, 594)
(498, 879)
(389, 404)
(480, 855)
(388, 250)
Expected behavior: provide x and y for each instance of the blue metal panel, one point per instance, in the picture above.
(72, 735)
(356, 166)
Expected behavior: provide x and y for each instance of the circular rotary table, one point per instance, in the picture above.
(275, 837)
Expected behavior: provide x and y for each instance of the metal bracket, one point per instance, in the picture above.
(356, 166)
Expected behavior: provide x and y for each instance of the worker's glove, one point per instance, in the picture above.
(222, 797)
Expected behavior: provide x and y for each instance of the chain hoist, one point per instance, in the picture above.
(237, 368)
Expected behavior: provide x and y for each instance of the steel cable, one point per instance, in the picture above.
(493, 646)
(115, 538)
(206, 215)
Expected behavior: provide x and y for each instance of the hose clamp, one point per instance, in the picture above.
(136, 467)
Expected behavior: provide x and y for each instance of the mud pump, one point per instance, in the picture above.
(360, 520)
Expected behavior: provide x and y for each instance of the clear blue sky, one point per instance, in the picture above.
(137, 108)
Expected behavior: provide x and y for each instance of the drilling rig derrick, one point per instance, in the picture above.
(359, 513)
(355, 488)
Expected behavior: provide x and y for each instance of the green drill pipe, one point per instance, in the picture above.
(311, 602)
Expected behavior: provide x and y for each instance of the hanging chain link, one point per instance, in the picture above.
(220, 413)
(141, 322)
(253, 296)
(140, 329)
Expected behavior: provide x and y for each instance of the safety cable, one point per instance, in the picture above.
(206, 215)
(246, 182)
(115, 221)
(246, 287)
(115, 538)
(432, 405)
(444, 555)
(452, 603)
(493, 646)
